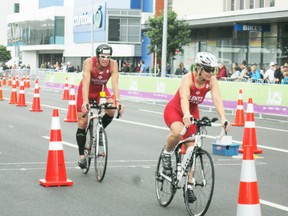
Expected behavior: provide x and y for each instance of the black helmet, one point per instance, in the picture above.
(103, 49)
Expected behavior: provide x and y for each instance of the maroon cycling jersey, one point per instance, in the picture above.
(97, 83)
(173, 111)
(197, 95)
(98, 78)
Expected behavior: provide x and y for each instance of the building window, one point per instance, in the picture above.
(114, 29)
(241, 4)
(251, 5)
(36, 32)
(124, 29)
(170, 3)
(261, 4)
(232, 5)
(272, 3)
(16, 8)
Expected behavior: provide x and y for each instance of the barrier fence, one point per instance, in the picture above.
(268, 98)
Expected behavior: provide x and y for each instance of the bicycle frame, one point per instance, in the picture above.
(91, 118)
(182, 166)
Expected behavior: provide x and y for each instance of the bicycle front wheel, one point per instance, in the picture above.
(203, 184)
(165, 189)
(101, 154)
(88, 147)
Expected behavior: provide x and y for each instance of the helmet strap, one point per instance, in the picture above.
(200, 75)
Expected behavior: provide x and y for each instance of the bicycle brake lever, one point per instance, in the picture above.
(118, 114)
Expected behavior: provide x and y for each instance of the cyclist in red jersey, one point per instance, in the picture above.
(184, 105)
(96, 73)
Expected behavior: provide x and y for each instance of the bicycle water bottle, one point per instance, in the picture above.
(102, 97)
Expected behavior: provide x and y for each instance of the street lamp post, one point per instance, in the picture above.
(164, 39)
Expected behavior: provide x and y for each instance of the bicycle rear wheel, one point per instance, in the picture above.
(165, 190)
(203, 188)
(101, 155)
(88, 147)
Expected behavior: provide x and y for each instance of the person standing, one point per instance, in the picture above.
(222, 72)
(142, 67)
(181, 70)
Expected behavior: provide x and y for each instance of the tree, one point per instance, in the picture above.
(4, 54)
(178, 35)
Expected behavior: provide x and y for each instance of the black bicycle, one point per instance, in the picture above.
(96, 146)
(193, 166)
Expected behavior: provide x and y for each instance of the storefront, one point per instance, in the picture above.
(260, 43)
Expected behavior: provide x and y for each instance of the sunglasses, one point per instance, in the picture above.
(105, 56)
(209, 69)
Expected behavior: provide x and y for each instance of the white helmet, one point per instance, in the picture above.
(206, 59)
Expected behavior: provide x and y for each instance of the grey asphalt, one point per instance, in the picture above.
(135, 142)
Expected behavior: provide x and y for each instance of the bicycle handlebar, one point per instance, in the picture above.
(204, 122)
(106, 106)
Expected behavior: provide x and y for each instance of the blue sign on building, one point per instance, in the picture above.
(252, 27)
(88, 18)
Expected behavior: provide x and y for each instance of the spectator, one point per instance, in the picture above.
(277, 74)
(222, 72)
(168, 69)
(269, 74)
(285, 79)
(142, 67)
(249, 73)
(243, 68)
(70, 68)
(236, 73)
(158, 70)
(138, 67)
(230, 72)
(181, 70)
(125, 67)
(132, 68)
(255, 73)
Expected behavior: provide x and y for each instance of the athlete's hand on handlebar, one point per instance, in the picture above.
(120, 108)
(85, 109)
(226, 125)
(187, 119)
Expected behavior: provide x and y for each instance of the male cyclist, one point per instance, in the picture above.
(184, 105)
(96, 73)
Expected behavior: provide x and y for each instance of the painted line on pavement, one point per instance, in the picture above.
(274, 205)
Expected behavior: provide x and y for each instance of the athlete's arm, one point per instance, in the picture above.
(87, 68)
(184, 91)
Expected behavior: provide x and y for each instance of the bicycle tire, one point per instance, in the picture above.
(203, 190)
(165, 190)
(88, 146)
(101, 155)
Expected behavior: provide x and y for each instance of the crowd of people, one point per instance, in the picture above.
(61, 67)
(274, 74)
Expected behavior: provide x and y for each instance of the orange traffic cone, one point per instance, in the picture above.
(9, 80)
(4, 79)
(72, 109)
(66, 90)
(13, 96)
(17, 80)
(21, 98)
(1, 93)
(248, 198)
(56, 169)
(36, 107)
(249, 137)
(27, 82)
(239, 117)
